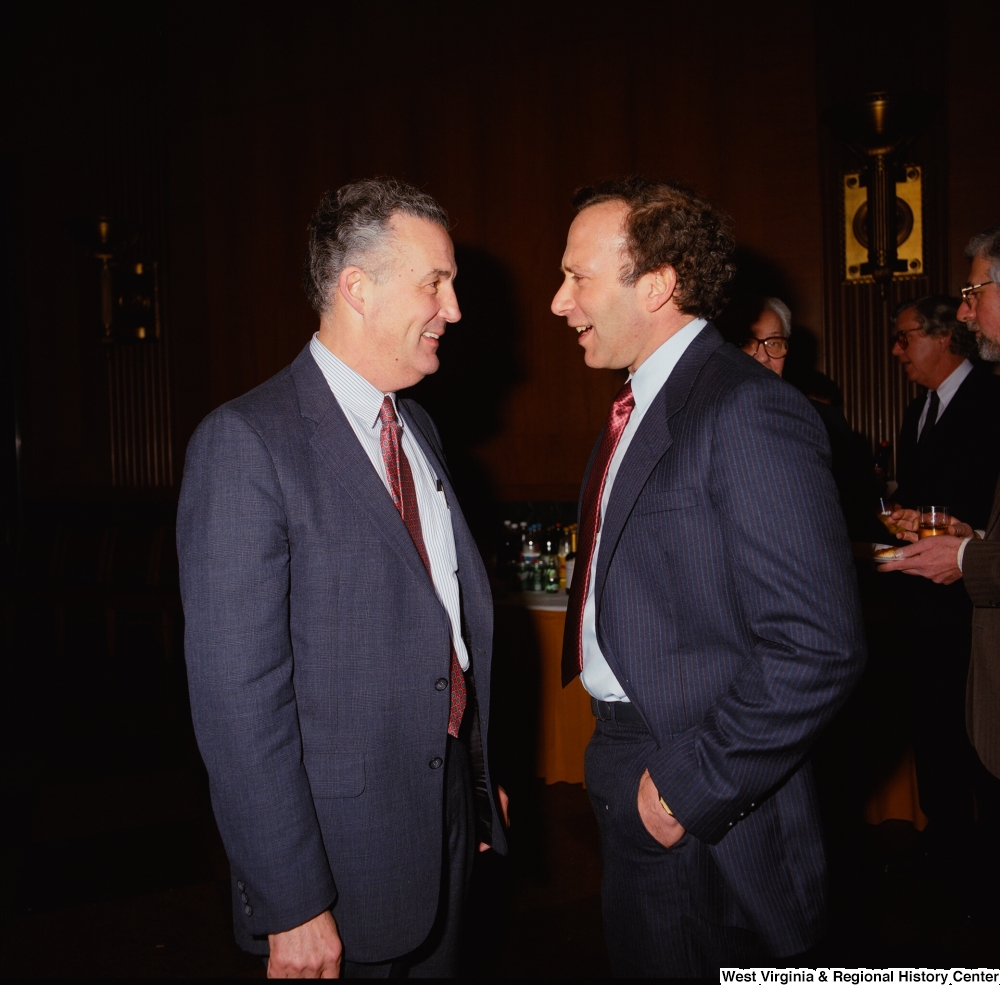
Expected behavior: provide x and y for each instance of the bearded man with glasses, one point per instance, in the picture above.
(969, 554)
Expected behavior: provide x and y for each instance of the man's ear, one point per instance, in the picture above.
(659, 288)
(351, 285)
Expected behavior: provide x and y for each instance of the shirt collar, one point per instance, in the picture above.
(353, 391)
(954, 380)
(648, 379)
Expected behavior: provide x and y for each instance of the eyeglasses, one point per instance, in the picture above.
(900, 338)
(970, 295)
(775, 346)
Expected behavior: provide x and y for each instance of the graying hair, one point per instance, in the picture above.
(781, 310)
(937, 315)
(350, 228)
(987, 246)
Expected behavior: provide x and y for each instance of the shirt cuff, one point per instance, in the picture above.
(961, 551)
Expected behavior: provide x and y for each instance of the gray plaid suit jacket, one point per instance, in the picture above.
(314, 641)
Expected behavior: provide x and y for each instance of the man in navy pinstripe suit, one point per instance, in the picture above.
(714, 616)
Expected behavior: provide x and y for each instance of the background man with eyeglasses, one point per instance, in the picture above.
(851, 460)
(974, 555)
(949, 455)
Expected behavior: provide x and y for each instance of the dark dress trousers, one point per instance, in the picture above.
(318, 661)
(956, 465)
(727, 607)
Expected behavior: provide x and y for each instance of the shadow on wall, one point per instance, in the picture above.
(758, 278)
(481, 364)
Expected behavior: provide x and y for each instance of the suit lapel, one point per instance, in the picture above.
(649, 444)
(954, 418)
(337, 444)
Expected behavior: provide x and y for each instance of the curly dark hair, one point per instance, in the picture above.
(669, 225)
(350, 227)
(938, 315)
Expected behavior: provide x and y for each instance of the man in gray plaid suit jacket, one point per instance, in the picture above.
(339, 620)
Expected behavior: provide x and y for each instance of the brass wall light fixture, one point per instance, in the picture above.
(130, 302)
(883, 215)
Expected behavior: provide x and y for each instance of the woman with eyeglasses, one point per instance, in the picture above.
(852, 464)
(768, 340)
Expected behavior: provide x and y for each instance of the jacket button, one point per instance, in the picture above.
(436, 763)
(441, 683)
(240, 885)
(244, 897)
(248, 910)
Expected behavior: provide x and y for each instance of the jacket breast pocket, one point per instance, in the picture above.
(336, 775)
(667, 501)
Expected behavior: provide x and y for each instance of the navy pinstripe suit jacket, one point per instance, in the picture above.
(727, 607)
(314, 640)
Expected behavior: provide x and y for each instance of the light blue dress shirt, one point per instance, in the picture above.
(647, 381)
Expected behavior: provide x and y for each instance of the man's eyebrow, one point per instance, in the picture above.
(440, 272)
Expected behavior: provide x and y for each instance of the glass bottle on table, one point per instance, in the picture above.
(570, 555)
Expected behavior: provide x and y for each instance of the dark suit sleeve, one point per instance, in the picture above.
(793, 578)
(981, 571)
(233, 547)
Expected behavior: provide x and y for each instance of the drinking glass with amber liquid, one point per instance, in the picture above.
(934, 521)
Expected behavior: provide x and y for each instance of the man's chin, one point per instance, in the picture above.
(989, 349)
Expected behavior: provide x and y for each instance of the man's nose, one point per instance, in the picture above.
(965, 312)
(761, 355)
(562, 303)
(450, 311)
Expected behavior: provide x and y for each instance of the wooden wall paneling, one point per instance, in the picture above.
(500, 113)
(136, 176)
(89, 140)
(973, 137)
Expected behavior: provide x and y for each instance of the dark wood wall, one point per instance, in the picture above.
(218, 130)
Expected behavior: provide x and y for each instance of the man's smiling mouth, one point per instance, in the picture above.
(582, 330)
(432, 335)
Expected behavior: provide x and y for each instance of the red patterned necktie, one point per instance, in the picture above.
(590, 523)
(404, 495)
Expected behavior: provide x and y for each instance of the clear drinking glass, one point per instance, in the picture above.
(934, 521)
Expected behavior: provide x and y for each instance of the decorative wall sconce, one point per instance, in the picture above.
(909, 226)
(883, 218)
(130, 301)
